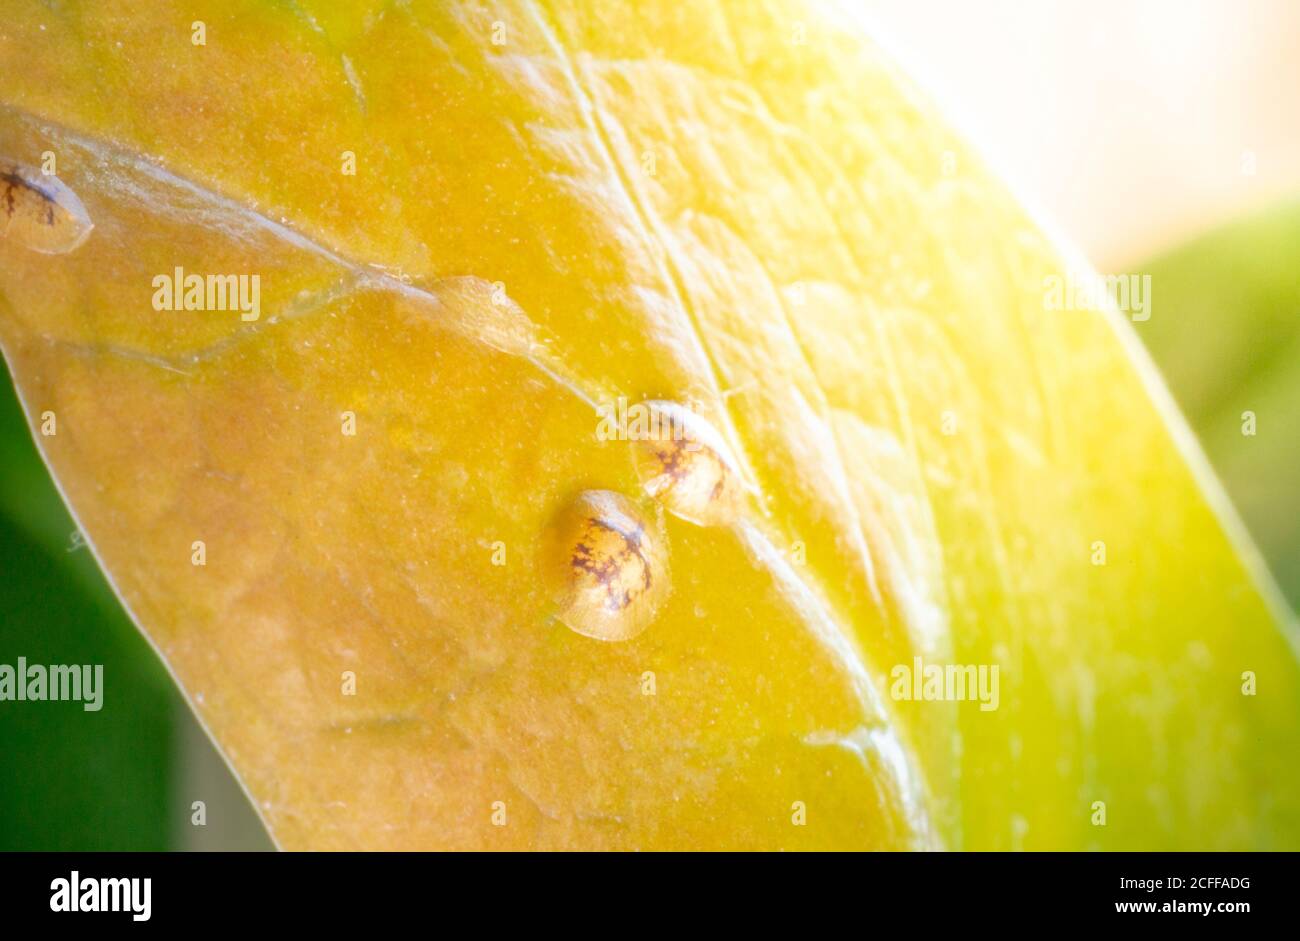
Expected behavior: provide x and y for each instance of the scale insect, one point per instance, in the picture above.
(39, 212)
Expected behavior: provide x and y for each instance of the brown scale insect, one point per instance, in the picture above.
(682, 463)
(609, 566)
(39, 212)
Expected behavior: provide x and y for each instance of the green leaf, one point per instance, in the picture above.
(72, 779)
(1226, 334)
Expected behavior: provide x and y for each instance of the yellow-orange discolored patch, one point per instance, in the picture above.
(39, 212)
(682, 462)
(610, 565)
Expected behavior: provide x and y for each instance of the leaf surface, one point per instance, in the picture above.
(739, 207)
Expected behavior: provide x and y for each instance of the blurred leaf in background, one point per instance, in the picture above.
(122, 778)
(1225, 331)
(71, 779)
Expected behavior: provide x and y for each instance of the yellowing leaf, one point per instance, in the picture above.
(332, 497)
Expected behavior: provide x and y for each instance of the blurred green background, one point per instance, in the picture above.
(1224, 328)
(1225, 331)
(122, 778)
